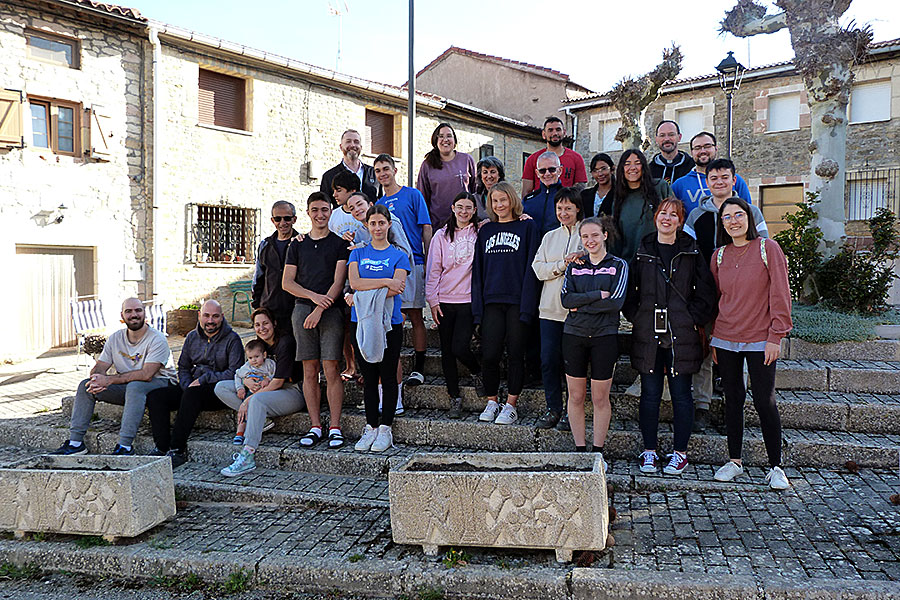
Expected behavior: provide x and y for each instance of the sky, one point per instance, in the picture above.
(596, 43)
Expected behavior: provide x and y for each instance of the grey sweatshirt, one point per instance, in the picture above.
(373, 321)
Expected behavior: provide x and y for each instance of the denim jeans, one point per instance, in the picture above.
(651, 395)
(552, 362)
(131, 395)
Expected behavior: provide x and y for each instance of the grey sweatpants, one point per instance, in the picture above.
(132, 395)
(286, 401)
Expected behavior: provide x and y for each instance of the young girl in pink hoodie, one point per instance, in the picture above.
(448, 290)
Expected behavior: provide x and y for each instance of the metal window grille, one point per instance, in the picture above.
(222, 234)
(868, 190)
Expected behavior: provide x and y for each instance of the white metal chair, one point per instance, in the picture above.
(87, 319)
(155, 314)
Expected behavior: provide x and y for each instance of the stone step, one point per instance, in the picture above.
(428, 430)
(860, 376)
(797, 349)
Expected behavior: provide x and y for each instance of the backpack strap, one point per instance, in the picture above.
(762, 252)
(719, 253)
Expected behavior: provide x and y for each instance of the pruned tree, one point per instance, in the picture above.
(632, 96)
(824, 55)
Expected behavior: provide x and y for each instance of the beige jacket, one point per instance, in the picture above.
(550, 267)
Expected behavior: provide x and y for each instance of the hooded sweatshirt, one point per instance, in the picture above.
(449, 267)
(210, 359)
(550, 267)
(691, 188)
(660, 168)
(701, 225)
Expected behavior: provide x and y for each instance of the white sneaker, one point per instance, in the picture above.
(269, 424)
(605, 464)
(728, 471)
(367, 439)
(490, 411)
(508, 415)
(384, 439)
(777, 479)
(400, 410)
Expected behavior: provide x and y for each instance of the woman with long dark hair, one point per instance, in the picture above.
(636, 197)
(754, 316)
(597, 200)
(504, 297)
(448, 290)
(444, 173)
(670, 294)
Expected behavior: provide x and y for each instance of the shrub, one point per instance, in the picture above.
(800, 244)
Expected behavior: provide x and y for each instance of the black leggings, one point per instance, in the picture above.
(455, 330)
(189, 403)
(762, 378)
(385, 373)
(500, 324)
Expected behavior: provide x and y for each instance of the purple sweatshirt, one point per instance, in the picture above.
(449, 270)
(440, 186)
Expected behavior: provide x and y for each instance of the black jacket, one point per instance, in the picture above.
(267, 291)
(587, 202)
(690, 304)
(369, 184)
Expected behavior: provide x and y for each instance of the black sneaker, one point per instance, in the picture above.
(179, 457)
(156, 452)
(549, 420)
(701, 420)
(415, 378)
(121, 451)
(478, 383)
(68, 449)
(455, 411)
(563, 424)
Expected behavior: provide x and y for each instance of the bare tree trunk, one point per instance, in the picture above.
(824, 55)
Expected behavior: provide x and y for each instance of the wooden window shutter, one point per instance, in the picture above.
(221, 100)
(11, 130)
(381, 126)
(99, 144)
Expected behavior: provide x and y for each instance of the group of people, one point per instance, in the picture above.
(672, 243)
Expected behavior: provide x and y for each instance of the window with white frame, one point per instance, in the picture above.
(603, 130)
(784, 112)
(690, 121)
(870, 102)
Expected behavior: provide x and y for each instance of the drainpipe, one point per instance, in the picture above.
(574, 126)
(154, 167)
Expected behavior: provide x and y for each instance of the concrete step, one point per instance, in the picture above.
(429, 430)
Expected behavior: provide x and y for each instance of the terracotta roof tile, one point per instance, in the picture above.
(113, 9)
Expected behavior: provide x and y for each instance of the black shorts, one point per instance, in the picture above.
(600, 352)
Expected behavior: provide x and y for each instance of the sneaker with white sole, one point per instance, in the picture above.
(678, 462)
(490, 411)
(269, 424)
(777, 479)
(415, 378)
(397, 411)
(368, 438)
(383, 440)
(728, 471)
(244, 462)
(508, 415)
(67, 449)
(648, 461)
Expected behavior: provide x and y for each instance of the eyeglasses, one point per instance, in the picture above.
(603, 169)
(704, 147)
(738, 216)
(550, 170)
(279, 219)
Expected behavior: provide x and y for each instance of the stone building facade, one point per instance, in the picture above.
(523, 91)
(771, 132)
(73, 161)
(171, 208)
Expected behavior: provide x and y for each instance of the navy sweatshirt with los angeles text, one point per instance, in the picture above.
(501, 272)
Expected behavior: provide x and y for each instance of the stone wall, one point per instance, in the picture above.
(293, 123)
(106, 200)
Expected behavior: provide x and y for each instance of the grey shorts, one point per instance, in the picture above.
(325, 341)
(415, 288)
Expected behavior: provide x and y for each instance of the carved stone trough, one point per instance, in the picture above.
(555, 501)
(109, 496)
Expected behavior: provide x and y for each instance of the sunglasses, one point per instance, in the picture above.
(280, 219)
(550, 170)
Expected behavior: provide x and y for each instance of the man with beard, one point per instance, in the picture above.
(143, 363)
(671, 163)
(267, 291)
(211, 353)
(351, 147)
(692, 187)
(573, 171)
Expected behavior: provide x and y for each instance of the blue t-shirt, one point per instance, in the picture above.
(380, 264)
(409, 206)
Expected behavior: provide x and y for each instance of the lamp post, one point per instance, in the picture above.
(731, 73)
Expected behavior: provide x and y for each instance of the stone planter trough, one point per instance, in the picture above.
(109, 496)
(503, 500)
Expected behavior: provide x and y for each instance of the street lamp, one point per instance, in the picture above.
(731, 73)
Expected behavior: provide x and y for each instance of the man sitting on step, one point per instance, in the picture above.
(143, 363)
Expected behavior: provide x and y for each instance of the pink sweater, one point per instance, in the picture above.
(449, 269)
(754, 300)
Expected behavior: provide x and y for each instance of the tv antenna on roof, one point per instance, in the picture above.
(336, 10)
